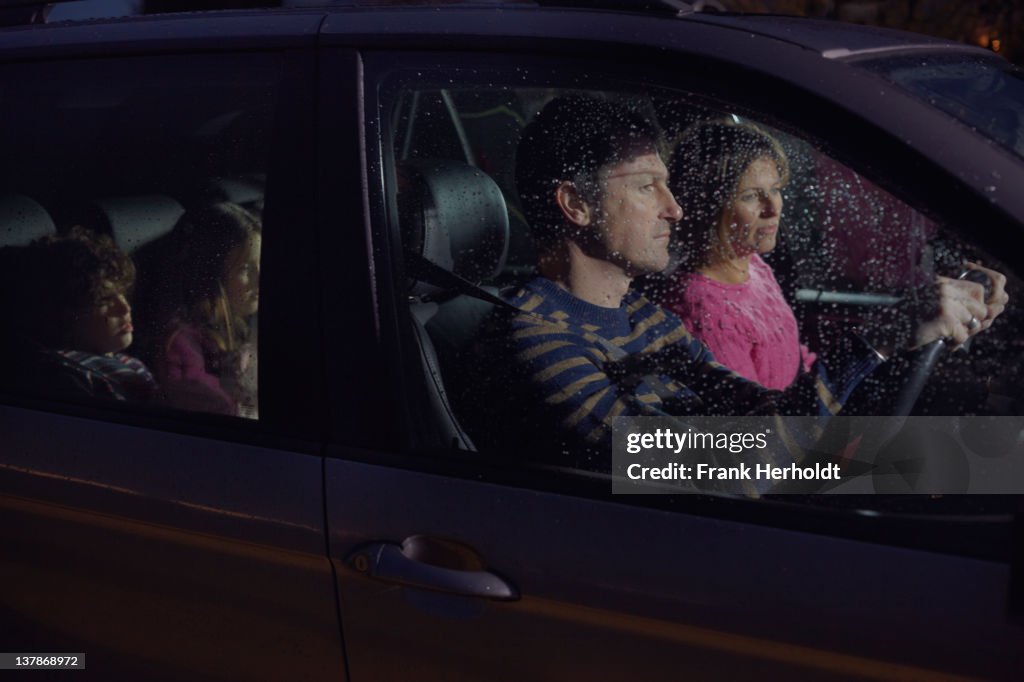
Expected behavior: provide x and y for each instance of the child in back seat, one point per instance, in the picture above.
(68, 319)
(207, 359)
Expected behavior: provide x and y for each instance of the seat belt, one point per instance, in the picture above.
(426, 270)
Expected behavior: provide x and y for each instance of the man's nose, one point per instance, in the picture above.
(672, 210)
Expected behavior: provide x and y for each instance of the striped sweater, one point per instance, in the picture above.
(117, 376)
(565, 369)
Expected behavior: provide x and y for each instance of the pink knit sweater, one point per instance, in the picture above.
(749, 327)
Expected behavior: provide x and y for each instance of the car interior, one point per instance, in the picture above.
(849, 248)
(118, 162)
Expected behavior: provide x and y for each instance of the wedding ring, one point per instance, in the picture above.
(973, 324)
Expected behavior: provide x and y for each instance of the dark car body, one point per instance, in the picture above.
(353, 531)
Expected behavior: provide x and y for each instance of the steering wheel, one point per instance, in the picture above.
(922, 365)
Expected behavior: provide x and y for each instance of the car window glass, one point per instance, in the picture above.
(846, 250)
(849, 248)
(986, 93)
(131, 194)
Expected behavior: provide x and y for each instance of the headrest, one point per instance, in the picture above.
(22, 219)
(244, 190)
(134, 221)
(455, 216)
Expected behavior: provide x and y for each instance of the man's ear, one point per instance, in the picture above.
(574, 207)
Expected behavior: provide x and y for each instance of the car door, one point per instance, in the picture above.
(461, 563)
(157, 540)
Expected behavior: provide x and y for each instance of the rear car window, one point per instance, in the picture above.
(131, 198)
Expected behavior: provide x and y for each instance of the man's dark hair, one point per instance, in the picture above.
(572, 139)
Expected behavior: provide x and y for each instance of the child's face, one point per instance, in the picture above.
(242, 279)
(105, 326)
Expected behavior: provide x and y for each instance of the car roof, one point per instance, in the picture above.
(548, 18)
(831, 39)
(834, 39)
(808, 55)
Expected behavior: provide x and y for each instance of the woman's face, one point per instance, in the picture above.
(750, 222)
(242, 279)
(105, 326)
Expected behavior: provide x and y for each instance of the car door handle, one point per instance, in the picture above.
(434, 564)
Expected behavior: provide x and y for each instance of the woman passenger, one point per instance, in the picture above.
(729, 178)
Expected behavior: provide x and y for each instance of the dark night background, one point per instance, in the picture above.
(998, 26)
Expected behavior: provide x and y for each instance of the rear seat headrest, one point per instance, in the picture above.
(135, 221)
(23, 219)
(245, 190)
(455, 216)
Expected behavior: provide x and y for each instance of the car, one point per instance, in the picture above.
(354, 527)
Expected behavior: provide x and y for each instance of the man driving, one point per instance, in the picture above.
(579, 347)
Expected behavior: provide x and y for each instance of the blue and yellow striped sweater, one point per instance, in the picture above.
(553, 385)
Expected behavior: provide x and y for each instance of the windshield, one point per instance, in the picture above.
(986, 93)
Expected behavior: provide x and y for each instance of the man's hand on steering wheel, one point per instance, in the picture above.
(962, 309)
(997, 298)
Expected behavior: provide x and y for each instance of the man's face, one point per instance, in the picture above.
(635, 214)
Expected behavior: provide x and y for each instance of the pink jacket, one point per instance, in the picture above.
(186, 379)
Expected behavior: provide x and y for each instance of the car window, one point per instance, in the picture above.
(131, 196)
(846, 251)
(986, 93)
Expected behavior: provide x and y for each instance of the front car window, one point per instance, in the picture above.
(846, 249)
(986, 93)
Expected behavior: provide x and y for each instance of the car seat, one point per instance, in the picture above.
(454, 225)
(132, 221)
(22, 220)
(245, 190)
